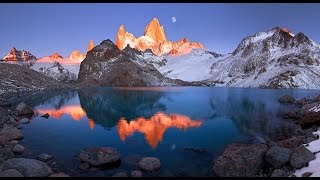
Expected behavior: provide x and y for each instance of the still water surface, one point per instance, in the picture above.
(158, 122)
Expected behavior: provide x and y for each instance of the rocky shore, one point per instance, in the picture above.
(280, 158)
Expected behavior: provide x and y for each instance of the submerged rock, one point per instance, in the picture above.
(240, 160)
(44, 157)
(301, 156)
(24, 109)
(136, 174)
(99, 156)
(28, 167)
(278, 156)
(286, 99)
(149, 164)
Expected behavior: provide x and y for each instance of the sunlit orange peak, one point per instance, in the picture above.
(155, 127)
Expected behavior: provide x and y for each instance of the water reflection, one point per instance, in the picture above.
(154, 127)
(75, 111)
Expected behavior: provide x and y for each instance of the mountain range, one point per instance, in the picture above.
(274, 58)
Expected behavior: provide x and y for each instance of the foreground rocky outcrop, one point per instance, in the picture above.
(107, 65)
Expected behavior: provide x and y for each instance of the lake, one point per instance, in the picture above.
(155, 121)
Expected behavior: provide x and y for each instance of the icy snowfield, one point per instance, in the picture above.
(194, 66)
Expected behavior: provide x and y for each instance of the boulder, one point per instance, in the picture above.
(240, 160)
(60, 174)
(279, 173)
(300, 157)
(10, 173)
(309, 119)
(291, 143)
(99, 156)
(149, 164)
(286, 99)
(84, 166)
(278, 156)
(18, 148)
(10, 134)
(24, 109)
(24, 121)
(28, 167)
(45, 116)
(136, 174)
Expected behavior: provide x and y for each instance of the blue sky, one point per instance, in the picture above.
(47, 28)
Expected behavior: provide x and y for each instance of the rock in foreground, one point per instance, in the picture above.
(24, 109)
(301, 156)
(99, 156)
(239, 160)
(28, 167)
(149, 164)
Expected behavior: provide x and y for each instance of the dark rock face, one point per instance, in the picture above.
(301, 156)
(278, 156)
(286, 99)
(309, 119)
(99, 156)
(106, 65)
(240, 160)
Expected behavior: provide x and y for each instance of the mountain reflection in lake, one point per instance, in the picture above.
(158, 122)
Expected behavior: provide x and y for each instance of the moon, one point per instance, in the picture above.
(174, 19)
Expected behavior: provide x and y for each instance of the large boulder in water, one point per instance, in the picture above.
(28, 167)
(239, 160)
(99, 156)
(24, 109)
(149, 164)
(286, 99)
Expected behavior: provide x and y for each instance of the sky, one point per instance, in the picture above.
(45, 28)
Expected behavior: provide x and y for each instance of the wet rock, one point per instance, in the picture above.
(24, 121)
(18, 148)
(149, 164)
(278, 156)
(309, 119)
(307, 174)
(291, 142)
(60, 174)
(286, 99)
(294, 113)
(13, 142)
(99, 156)
(120, 174)
(44, 157)
(24, 109)
(136, 174)
(45, 116)
(84, 166)
(300, 157)
(10, 134)
(10, 173)
(279, 173)
(28, 167)
(240, 160)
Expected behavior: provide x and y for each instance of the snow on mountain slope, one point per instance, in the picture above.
(59, 69)
(194, 66)
(271, 59)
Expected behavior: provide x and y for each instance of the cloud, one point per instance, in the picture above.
(174, 19)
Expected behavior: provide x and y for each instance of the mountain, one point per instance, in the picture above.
(154, 38)
(90, 45)
(76, 56)
(272, 59)
(20, 57)
(57, 72)
(107, 65)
